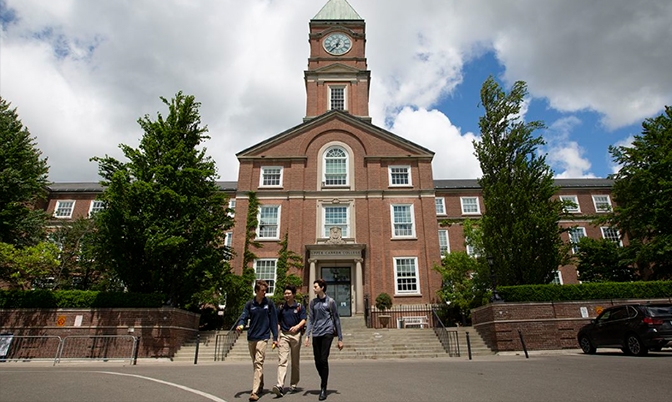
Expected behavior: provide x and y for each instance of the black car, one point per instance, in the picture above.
(635, 328)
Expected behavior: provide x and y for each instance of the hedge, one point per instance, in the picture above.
(586, 291)
(77, 299)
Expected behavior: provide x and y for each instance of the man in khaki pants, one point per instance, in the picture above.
(263, 322)
(291, 319)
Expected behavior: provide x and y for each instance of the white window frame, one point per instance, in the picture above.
(261, 234)
(597, 203)
(228, 239)
(232, 207)
(394, 221)
(575, 200)
(398, 172)
(96, 206)
(267, 276)
(62, 211)
(557, 277)
(268, 169)
(574, 240)
(440, 204)
(415, 277)
(346, 228)
(346, 173)
(444, 242)
(478, 206)
(331, 96)
(605, 229)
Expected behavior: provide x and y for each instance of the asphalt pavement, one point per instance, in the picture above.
(544, 376)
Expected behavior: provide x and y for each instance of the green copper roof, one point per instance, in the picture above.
(337, 10)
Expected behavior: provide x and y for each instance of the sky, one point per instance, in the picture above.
(82, 72)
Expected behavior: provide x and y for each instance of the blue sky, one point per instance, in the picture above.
(82, 72)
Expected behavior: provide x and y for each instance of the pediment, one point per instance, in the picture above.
(343, 119)
(336, 68)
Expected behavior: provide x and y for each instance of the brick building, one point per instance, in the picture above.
(359, 203)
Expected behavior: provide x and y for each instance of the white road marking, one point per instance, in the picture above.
(195, 391)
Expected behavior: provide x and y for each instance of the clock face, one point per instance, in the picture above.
(337, 44)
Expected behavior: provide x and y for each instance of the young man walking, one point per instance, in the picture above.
(324, 323)
(291, 319)
(263, 321)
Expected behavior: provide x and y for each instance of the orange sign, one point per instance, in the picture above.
(60, 321)
(599, 310)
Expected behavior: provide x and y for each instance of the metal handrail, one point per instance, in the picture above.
(14, 337)
(449, 339)
(224, 347)
(134, 339)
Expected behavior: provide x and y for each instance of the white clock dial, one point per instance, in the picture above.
(337, 44)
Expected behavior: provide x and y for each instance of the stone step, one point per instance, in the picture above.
(360, 343)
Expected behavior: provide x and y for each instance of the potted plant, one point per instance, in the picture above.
(383, 303)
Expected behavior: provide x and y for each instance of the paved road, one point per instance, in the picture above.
(570, 376)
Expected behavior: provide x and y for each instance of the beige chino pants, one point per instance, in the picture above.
(289, 343)
(258, 354)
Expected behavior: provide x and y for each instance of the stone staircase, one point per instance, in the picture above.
(360, 343)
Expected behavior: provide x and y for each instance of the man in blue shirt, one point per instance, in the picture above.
(263, 321)
(291, 319)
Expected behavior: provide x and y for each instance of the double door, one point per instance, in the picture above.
(338, 281)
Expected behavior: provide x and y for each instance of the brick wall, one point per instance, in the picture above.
(544, 326)
(161, 331)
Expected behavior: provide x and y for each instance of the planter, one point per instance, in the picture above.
(384, 320)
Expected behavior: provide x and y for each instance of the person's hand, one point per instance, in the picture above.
(239, 328)
(340, 345)
(294, 329)
(275, 344)
(307, 341)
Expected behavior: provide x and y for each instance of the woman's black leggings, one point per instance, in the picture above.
(321, 348)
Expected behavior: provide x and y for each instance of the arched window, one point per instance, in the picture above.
(336, 167)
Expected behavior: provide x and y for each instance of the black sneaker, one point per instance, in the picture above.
(278, 392)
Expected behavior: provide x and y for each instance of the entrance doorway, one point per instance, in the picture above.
(338, 288)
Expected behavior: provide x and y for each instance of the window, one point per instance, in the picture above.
(444, 246)
(336, 216)
(574, 200)
(400, 175)
(470, 205)
(557, 278)
(406, 275)
(336, 167)
(471, 250)
(232, 207)
(602, 203)
(337, 98)
(64, 209)
(575, 234)
(269, 218)
(264, 270)
(271, 176)
(228, 239)
(611, 234)
(96, 206)
(440, 205)
(402, 221)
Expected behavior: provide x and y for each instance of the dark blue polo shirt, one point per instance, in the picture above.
(263, 320)
(289, 316)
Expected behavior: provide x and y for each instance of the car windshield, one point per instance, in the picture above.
(656, 311)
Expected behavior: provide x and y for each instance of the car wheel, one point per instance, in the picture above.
(586, 346)
(634, 346)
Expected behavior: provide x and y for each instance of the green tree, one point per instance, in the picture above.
(286, 259)
(602, 260)
(520, 224)
(24, 268)
(23, 182)
(643, 196)
(164, 223)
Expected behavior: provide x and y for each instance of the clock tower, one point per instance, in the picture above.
(337, 77)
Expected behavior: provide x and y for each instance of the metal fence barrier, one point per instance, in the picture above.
(72, 347)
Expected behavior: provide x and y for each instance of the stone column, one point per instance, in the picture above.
(359, 287)
(311, 278)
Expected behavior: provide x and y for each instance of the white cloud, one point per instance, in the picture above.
(82, 72)
(627, 143)
(564, 156)
(454, 157)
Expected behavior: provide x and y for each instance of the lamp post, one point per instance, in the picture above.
(496, 298)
